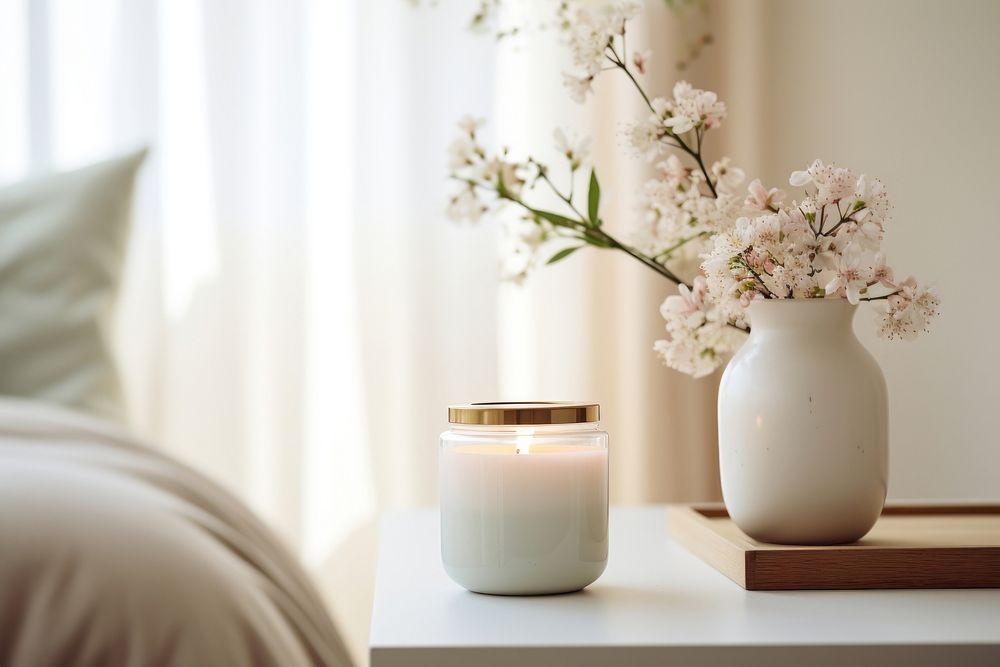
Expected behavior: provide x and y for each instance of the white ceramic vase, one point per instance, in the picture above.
(803, 426)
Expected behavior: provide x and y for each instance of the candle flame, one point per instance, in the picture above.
(522, 443)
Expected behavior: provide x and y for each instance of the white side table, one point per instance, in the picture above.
(657, 604)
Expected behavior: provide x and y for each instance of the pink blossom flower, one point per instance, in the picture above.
(687, 300)
(881, 274)
(860, 236)
(907, 312)
(640, 59)
(849, 280)
(673, 169)
(870, 193)
(762, 199)
(832, 183)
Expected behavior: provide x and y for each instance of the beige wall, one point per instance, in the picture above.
(910, 92)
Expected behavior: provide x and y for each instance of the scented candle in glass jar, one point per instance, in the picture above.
(524, 497)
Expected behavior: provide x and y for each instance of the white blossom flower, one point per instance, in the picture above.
(462, 152)
(589, 32)
(531, 235)
(466, 206)
(684, 354)
(644, 138)
(764, 231)
(612, 16)
(863, 236)
(800, 179)
(521, 242)
(470, 125)
(795, 230)
(509, 174)
(588, 42)
(681, 214)
(579, 86)
(662, 108)
(681, 123)
(735, 240)
(727, 176)
(673, 170)
(693, 108)
(626, 10)
(576, 153)
(700, 337)
(799, 277)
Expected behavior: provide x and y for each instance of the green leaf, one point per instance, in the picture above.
(563, 254)
(595, 239)
(593, 199)
(555, 218)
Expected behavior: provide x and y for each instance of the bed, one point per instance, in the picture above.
(114, 554)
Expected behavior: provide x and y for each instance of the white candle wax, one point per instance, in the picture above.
(524, 523)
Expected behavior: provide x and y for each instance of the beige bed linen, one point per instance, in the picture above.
(112, 554)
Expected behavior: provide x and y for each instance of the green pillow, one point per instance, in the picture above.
(62, 247)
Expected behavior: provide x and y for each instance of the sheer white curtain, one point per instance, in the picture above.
(296, 309)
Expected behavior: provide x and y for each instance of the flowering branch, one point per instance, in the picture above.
(589, 231)
(619, 62)
(745, 244)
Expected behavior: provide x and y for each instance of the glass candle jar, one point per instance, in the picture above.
(524, 497)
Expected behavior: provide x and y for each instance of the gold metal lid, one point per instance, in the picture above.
(516, 414)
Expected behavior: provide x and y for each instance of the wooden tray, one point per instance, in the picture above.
(911, 546)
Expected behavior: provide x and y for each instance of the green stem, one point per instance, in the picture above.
(619, 62)
(680, 244)
(701, 164)
(642, 257)
(849, 218)
(568, 199)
